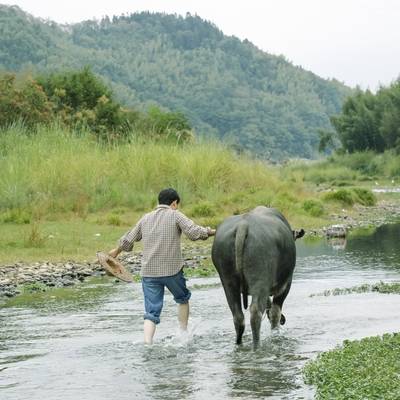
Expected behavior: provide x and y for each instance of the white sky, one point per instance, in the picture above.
(354, 41)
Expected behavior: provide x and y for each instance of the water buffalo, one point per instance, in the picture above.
(255, 254)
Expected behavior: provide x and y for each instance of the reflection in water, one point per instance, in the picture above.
(259, 374)
(364, 249)
(382, 247)
(86, 342)
(337, 243)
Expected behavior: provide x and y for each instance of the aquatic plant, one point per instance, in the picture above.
(358, 370)
(380, 287)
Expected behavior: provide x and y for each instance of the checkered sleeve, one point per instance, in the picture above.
(134, 235)
(189, 228)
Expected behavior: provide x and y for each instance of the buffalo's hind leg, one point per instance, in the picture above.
(275, 316)
(255, 321)
(233, 293)
(259, 305)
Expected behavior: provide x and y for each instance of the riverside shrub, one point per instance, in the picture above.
(351, 196)
(81, 101)
(364, 197)
(343, 196)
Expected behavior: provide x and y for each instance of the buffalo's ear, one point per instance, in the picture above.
(298, 234)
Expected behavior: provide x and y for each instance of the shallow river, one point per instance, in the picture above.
(86, 342)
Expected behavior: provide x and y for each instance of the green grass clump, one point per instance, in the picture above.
(343, 196)
(313, 207)
(349, 197)
(114, 219)
(364, 196)
(35, 237)
(16, 216)
(203, 209)
(34, 287)
(329, 174)
(359, 370)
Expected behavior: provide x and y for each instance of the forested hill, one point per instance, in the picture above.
(228, 88)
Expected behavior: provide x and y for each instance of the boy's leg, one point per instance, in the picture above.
(176, 284)
(153, 291)
(183, 315)
(149, 328)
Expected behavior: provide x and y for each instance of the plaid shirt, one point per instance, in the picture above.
(161, 232)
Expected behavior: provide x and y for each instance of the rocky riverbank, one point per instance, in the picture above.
(361, 217)
(23, 277)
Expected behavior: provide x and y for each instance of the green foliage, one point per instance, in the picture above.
(34, 287)
(345, 168)
(227, 88)
(25, 102)
(325, 172)
(80, 100)
(77, 90)
(343, 196)
(313, 207)
(26, 40)
(364, 197)
(326, 141)
(350, 196)
(164, 125)
(363, 162)
(370, 121)
(361, 369)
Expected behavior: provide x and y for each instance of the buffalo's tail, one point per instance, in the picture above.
(241, 234)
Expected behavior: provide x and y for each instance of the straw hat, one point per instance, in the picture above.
(114, 267)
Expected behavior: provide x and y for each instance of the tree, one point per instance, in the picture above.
(26, 102)
(370, 121)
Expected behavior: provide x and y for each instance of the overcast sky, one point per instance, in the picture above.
(354, 41)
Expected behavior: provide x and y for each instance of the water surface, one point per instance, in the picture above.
(86, 342)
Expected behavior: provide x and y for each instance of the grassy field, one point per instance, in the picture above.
(64, 196)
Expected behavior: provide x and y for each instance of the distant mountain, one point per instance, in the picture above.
(227, 87)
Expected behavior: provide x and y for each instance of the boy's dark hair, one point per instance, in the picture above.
(168, 196)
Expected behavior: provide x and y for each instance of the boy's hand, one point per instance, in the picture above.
(114, 252)
(210, 232)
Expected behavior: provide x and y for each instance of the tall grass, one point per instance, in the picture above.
(342, 169)
(55, 171)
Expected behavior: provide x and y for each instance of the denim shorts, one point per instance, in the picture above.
(153, 290)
